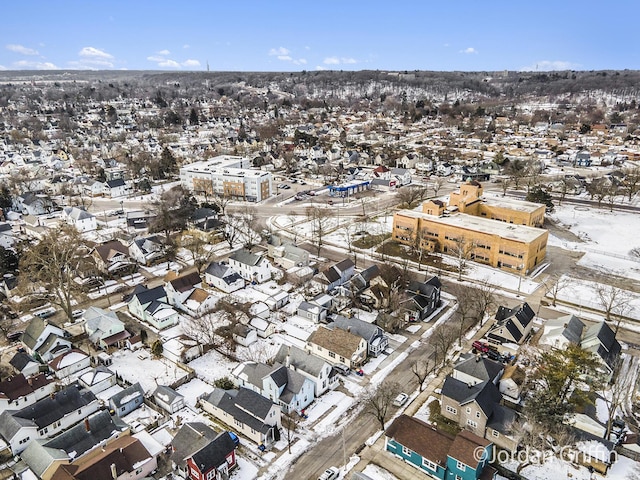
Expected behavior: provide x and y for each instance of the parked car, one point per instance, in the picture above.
(14, 336)
(400, 400)
(77, 313)
(330, 473)
(45, 313)
(483, 347)
(342, 369)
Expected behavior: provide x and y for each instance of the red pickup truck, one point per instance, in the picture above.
(483, 347)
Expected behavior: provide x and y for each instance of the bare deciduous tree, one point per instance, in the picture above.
(422, 369)
(378, 401)
(614, 301)
(319, 219)
(554, 285)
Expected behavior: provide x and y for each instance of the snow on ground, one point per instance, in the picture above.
(584, 292)
(129, 365)
(193, 390)
(377, 473)
(212, 366)
(423, 411)
(245, 470)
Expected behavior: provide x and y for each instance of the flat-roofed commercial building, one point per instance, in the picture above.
(504, 240)
(228, 176)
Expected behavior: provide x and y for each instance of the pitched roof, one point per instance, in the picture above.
(190, 438)
(20, 360)
(238, 403)
(246, 257)
(464, 447)
(214, 453)
(479, 367)
(354, 325)
(422, 438)
(338, 341)
(148, 295)
(485, 394)
(126, 395)
(300, 359)
(109, 249)
(608, 348)
(19, 386)
(186, 282)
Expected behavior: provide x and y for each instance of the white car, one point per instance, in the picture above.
(330, 473)
(400, 400)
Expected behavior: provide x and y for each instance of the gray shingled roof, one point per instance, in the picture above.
(302, 360)
(117, 399)
(246, 257)
(214, 453)
(354, 325)
(486, 394)
(484, 369)
(190, 438)
(238, 403)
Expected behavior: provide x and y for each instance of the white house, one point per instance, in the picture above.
(168, 399)
(19, 391)
(319, 371)
(82, 220)
(403, 176)
(251, 267)
(151, 305)
(221, 276)
(97, 379)
(47, 417)
(70, 363)
(116, 188)
(146, 250)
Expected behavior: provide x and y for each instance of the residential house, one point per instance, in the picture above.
(277, 300)
(470, 406)
(600, 340)
(179, 288)
(82, 220)
(205, 219)
(25, 364)
(99, 429)
(402, 175)
(147, 250)
(288, 388)
(151, 306)
(116, 188)
(512, 325)
(127, 457)
(97, 379)
(423, 299)
(112, 258)
(221, 276)
(30, 203)
(244, 334)
(182, 348)
(18, 391)
(439, 454)
(336, 275)
(189, 439)
(474, 369)
(377, 340)
(168, 399)
(68, 364)
(338, 346)
(44, 340)
(7, 238)
(319, 371)
(251, 267)
(198, 303)
(46, 417)
(215, 460)
(104, 328)
(126, 401)
(246, 412)
(561, 331)
(286, 254)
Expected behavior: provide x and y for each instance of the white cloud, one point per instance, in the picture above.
(186, 45)
(2, 67)
(27, 64)
(191, 63)
(339, 61)
(164, 62)
(445, 45)
(155, 58)
(22, 49)
(279, 52)
(91, 52)
(90, 64)
(164, 52)
(169, 64)
(285, 58)
(469, 50)
(320, 67)
(549, 65)
(300, 61)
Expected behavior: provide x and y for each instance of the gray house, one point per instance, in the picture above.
(168, 399)
(377, 340)
(127, 400)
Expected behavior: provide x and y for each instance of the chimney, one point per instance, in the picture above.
(114, 473)
(86, 424)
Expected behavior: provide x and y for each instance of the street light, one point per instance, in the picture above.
(520, 269)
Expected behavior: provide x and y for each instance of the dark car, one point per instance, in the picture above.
(14, 336)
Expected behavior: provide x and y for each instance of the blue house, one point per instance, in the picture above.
(439, 454)
(127, 400)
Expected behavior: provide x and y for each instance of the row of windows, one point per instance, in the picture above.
(511, 254)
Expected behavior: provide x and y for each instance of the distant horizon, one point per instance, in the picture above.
(287, 36)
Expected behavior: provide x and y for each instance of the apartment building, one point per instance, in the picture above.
(494, 233)
(228, 176)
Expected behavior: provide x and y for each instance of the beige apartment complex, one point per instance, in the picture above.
(499, 232)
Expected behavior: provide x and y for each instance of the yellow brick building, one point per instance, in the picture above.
(494, 233)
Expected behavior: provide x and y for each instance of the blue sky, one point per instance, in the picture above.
(274, 35)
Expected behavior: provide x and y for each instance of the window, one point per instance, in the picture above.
(472, 424)
(478, 414)
(495, 433)
(332, 355)
(342, 360)
(406, 451)
(468, 409)
(429, 464)
(451, 410)
(237, 422)
(460, 466)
